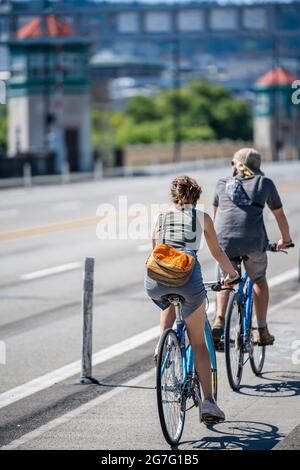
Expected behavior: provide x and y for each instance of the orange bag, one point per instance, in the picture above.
(170, 266)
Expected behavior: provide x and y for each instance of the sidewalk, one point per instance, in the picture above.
(260, 416)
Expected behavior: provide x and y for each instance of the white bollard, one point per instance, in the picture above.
(65, 174)
(27, 175)
(87, 332)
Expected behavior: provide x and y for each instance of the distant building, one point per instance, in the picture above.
(276, 117)
(232, 43)
(49, 93)
(110, 72)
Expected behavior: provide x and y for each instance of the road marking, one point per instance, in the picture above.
(283, 277)
(8, 214)
(58, 375)
(273, 282)
(49, 271)
(77, 412)
(50, 228)
(284, 302)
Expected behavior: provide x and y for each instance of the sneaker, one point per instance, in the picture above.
(217, 331)
(264, 338)
(211, 413)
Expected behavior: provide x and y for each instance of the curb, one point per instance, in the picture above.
(291, 441)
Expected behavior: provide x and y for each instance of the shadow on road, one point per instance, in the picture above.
(140, 387)
(234, 435)
(276, 384)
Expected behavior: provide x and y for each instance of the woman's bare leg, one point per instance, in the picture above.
(167, 318)
(195, 324)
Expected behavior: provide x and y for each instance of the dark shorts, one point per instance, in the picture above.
(193, 291)
(255, 264)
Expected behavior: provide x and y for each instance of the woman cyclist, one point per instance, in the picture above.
(182, 227)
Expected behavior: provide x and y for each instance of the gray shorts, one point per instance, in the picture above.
(255, 264)
(193, 291)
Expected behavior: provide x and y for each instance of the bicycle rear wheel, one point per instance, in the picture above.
(169, 381)
(234, 354)
(257, 353)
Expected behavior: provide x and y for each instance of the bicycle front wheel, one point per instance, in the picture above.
(169, 386)
(234, 354)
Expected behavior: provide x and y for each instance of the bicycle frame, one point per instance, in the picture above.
(246, 300)
(187, 352)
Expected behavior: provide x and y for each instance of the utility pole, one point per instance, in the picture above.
(176, 102)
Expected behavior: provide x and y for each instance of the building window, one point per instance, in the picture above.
(289, 17)
(223, 19)
(190, 20)
(158, 22)
(18, 68)
(254, 18)
(128, 22)
(72, 65)
(37, 65)
(4, 28)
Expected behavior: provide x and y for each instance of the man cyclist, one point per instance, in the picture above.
(238, 213)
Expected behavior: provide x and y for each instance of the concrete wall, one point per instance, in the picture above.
(163, 153)
(18, 118)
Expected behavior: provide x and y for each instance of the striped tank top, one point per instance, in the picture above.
(179, 229)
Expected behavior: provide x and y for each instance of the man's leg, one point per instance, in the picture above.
(256, 266)
(221, 306)
(261, 301)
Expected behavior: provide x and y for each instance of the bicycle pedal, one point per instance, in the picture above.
(209, 420)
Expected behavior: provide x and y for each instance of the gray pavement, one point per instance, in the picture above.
(40, 323)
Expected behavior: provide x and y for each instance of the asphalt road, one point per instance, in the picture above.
(45, 235)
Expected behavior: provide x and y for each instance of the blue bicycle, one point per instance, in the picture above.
(176, 379)
(240, 331)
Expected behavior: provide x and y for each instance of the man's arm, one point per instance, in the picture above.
(283, 227)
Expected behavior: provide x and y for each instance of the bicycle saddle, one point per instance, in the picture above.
(173, 298)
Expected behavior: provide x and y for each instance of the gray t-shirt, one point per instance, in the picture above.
(241, 229)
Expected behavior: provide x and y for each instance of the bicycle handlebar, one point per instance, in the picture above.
(273, 247)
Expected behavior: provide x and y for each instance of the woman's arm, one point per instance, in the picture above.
(214, 247)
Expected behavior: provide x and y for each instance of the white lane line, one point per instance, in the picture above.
(145, 247)
(8, 214)
(103, 355)
(67, 206)
(77, 412)
(58, 375)
(273, 282)
(284, 302)
(49, 271)
(283, 277)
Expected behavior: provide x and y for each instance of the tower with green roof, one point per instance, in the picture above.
(276, 117)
